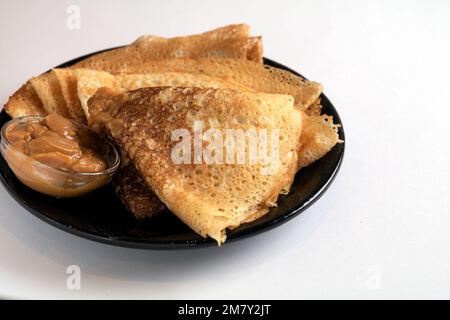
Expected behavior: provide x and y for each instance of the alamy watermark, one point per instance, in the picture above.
(73, 21)
(373, 281)
(237, 146)
(73, 281)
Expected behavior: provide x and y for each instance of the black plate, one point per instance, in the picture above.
(100, 216)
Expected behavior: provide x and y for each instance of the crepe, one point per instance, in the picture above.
(134, 194)
(317, 141)
(231, 41)
(88, 81)
(246, 75)
(208, 197)
(319, 136)
(68, 84)
(137, 198)
(25, 102)
(181, 79)
(258, 77)
(255, 76)
(315, 109)
(48, 89)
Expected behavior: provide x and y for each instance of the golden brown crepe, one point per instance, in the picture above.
(208, 197)
(132, 191)
(232, 41)
(317, 141)
(137, 198)
(49, 92)
(258, 77)
(25, 102)
(319, 136)
(88, 81)
(315, 109)
(68, 84)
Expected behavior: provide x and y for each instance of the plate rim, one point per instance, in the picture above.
(186, 244)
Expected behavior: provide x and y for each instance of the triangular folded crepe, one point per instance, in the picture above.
(134, 194)
(231, 41)
(318, 139)
(255, 76)
(320, 133)
(25, 102)
(49, 91)
(208, 197)
(319, 136)
(68, 83)
(88, 81)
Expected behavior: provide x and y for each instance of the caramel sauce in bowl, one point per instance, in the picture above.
(56, 156)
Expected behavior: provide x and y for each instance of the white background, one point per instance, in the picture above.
(383, 228)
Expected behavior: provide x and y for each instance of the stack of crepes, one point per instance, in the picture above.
(155, 85)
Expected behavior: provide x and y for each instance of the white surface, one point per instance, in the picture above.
(382, 229)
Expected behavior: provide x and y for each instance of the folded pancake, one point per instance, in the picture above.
(317, 141)
(319, 136)
(68, 83)
(176, 79)
(208, 196)
(49, 91)
(135, 200)
(231, 41)
(241, 74)
(315, 109)
(25, 102)
(88, 81)
(258, 77)
(227, 42)
(134, 194)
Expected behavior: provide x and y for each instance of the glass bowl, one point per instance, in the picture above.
(53, 181)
